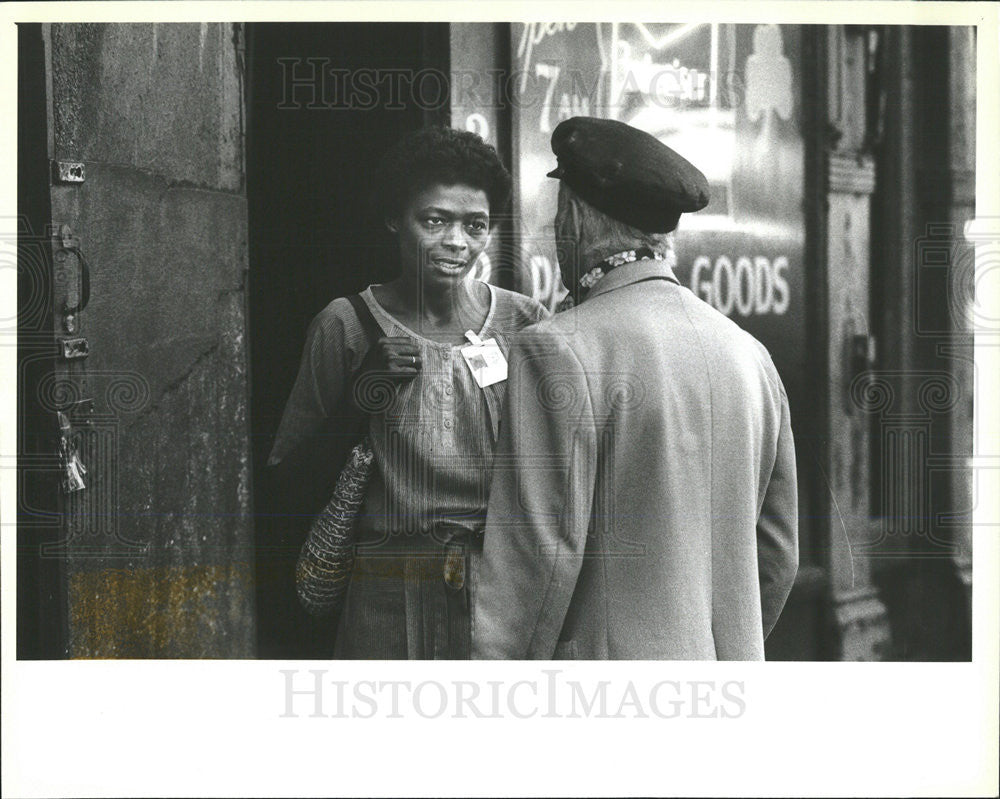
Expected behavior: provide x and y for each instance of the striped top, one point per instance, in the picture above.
(434, 447)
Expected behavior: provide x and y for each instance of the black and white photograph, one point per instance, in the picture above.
(639, 367)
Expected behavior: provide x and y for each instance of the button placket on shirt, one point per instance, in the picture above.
(447, 395)
(453, 572)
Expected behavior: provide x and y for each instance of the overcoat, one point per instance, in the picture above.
(643, 503)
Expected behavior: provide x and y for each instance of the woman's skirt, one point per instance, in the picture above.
(411, 603)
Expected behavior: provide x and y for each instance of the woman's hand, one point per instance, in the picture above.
(398, 357)
(392, 361)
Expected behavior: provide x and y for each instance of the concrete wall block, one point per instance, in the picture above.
(159, 549)
(162, 259)
(165, 98)
(167, 315)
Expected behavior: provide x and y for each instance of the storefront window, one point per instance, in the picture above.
(727, 98)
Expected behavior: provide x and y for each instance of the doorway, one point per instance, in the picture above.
(311, 145)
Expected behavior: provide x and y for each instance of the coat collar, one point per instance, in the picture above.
(626, 274)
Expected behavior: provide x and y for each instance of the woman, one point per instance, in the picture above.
(421, 524)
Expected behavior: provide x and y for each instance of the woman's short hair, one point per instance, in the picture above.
(439, 155)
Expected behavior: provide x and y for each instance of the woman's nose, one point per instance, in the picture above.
(454, 236)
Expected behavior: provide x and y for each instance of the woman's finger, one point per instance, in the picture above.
(412, 361)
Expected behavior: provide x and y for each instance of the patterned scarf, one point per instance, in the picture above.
(613, 262)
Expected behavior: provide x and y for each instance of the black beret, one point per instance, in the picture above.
(627, 173)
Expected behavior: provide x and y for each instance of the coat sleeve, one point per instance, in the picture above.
(540, 503)
(777, 527)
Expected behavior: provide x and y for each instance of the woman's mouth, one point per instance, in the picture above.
(449, 264)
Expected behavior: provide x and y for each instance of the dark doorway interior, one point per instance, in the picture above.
(310, 152)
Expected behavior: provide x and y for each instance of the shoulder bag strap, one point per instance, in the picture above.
(372, 328)
(374, 332)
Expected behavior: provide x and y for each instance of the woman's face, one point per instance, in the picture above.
(442, 231)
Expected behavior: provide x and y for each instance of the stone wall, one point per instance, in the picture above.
(158, 546)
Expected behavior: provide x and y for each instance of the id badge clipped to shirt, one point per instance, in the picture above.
(486, 362)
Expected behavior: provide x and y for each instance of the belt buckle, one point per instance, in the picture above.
(454, 566)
